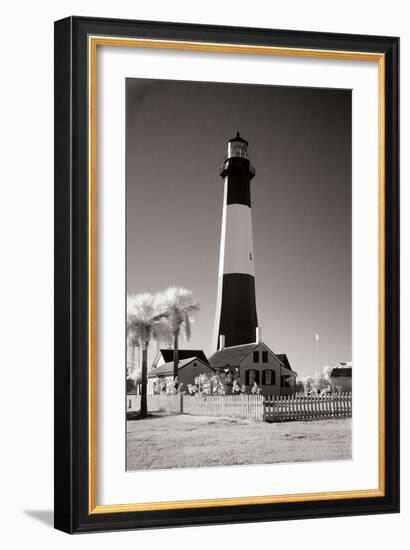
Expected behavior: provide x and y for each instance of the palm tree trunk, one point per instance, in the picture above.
(132, 371)
(144, 407)
(138, 368)
(138, 359)
(133, 354)
(176, 358)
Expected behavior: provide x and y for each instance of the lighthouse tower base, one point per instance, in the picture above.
(238, 320)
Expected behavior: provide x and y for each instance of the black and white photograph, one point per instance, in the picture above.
(239, 284)
(205, 275)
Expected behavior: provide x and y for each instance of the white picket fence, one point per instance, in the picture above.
(301, 407)
(248, 407)
(156, 403)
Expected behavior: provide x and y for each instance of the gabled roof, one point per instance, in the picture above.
(168, 354)
(234, 355)
(168, 368)
(341, 371)
(284, 360)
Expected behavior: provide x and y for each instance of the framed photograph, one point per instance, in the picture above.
(226, 274)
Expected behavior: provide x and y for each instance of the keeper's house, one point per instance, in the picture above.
(250, 363)
(191, 364)
(341, 378)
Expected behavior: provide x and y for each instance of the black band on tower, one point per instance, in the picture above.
(238, 319)
(239, 172)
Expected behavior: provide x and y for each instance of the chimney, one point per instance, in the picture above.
(259, 334)
(221, 341)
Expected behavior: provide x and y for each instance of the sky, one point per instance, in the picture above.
(300, 145)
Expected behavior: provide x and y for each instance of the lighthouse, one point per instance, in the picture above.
(236, 319)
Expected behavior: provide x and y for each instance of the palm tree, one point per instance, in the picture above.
(146, 315)
(181, 308)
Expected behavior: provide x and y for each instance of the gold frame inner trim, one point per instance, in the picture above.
(93, 42)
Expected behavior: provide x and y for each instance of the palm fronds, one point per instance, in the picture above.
(146, 315)
(181, 307)
(159, 316)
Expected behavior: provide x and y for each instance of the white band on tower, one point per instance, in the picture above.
(237, 246)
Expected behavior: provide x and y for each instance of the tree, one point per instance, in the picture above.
(327, 371)
(308, 383)
(146, 316)
(300, 388)
(181, 308)
(322, 378)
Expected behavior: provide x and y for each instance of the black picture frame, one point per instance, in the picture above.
(71, 486)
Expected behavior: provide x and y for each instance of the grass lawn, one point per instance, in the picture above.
(183, 441)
